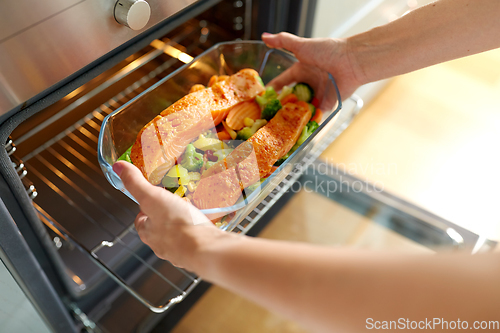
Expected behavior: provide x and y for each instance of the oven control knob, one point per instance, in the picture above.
(134, 14)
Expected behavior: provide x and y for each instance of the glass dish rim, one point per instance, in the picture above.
(242, 203)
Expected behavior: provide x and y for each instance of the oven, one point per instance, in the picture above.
(64, 66)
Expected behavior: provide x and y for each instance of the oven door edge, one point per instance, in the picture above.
(24, 267)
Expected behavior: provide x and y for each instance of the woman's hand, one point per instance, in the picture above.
(317, 56)
(174, 229)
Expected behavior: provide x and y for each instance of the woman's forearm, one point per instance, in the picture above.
(328, 289)
(438, 32)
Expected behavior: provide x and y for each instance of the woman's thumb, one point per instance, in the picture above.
(135, 183)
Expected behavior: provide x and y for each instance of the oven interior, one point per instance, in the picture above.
(54, 153)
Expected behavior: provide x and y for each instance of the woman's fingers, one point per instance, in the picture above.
(284, 79)
(140, 223)
(312, 51)
(156, 202)
(150, 197)
(134, 181)
(327, 55)
(285, 41)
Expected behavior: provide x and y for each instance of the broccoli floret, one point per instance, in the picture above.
(177, 175)
(222, 154)
(259, 79)
(172, 189)
(269, 94)
(283, 159)
(191, 159)
(126, 156)
(170, 182)
(313, 109)
(271, 109)
(209, 164)
(306, 132)
(285, 91)
(269, 103)
(247, 132)
(304, 92)
(255, 186)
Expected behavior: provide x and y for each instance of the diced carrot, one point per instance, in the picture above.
(196, 87)
(231, 132)
(223, 135)
(291, 98)
(218, 117)
(222, 78)
(315, 102)
(236, 116)
(217, 220)
(318, 116)
(303, 104)
(213, 80)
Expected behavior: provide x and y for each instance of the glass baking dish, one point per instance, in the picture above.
(119, 129)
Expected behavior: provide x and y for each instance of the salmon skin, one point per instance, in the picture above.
(221, 185)
(162, 141)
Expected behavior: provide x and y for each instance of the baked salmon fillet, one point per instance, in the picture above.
(274, 140)
(221, 185)
(163, 140)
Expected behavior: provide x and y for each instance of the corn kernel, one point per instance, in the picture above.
(194, 176)
(248, 122)
(192, 186)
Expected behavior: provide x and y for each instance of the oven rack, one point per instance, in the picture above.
(241, 227)
(73, 151)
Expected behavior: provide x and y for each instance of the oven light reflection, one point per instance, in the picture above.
(171, 51)
(185, 58)
(73, 93)
(79, 282)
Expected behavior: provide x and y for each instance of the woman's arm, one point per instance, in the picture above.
(322, 288)
(438, 32)
(335, 290)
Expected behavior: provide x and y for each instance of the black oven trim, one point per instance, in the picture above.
(22, 264)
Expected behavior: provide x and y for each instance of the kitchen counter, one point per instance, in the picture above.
(431, 137)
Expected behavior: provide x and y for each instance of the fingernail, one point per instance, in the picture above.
(118, 168)
(266, 34)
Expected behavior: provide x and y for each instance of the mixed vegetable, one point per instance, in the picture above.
(242, 121)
